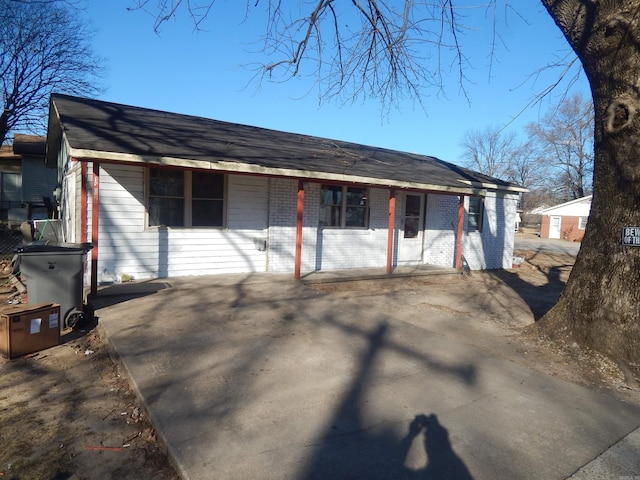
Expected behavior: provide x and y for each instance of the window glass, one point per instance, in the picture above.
(208, 185)
(11, 187)
(207, 199)
(166, 212)
(474, 220)
(343, 206)
(173, 199)
(166, 183)
(582, 223)
(330, 205)
(207, 213)
(412, 215)
(356, 211)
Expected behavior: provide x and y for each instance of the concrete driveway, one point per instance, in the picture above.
(546, 245)
(255, 376)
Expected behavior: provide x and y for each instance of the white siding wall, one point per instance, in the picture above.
(127, 247)
(70, 196)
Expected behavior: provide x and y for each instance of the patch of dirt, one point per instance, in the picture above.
(67, 413)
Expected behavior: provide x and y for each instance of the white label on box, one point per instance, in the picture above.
(35, 325)
(53, 320)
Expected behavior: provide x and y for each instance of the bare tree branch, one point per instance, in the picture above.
(43, 48)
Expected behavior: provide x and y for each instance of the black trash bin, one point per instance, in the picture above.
(54, 273)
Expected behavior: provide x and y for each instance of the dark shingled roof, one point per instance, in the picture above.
(29, 144)
(94, 129)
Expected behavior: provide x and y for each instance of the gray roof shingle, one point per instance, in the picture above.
(96, 129)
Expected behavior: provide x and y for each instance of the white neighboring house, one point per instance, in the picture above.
(179, 195)
(566, 221)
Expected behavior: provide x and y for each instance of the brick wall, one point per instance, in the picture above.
(282, 225)
(336, 248)
(493, 247)
(440, 230)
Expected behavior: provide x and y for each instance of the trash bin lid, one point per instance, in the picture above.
(48, 247)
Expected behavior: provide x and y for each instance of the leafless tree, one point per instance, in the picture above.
(526, 169)
(564, 140)
(491, 151)
(387, 49)
(44, 47)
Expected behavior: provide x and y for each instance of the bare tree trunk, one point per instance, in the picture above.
(600, 305)
(4, 126)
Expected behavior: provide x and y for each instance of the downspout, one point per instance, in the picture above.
(391, 229)
(299, 218)
(95, 215)
(459, 233)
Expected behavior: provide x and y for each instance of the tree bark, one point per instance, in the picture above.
(4, 126)
(600, 305)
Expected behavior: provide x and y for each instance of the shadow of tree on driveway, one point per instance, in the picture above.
(350, 448)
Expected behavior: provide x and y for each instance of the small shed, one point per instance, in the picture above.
(566, 221)
(161, 194)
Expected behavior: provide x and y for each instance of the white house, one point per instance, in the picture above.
(179, 195)
(566, 221)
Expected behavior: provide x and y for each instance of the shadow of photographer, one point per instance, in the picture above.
(442, 461)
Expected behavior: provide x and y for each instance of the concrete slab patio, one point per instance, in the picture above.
(256, 376)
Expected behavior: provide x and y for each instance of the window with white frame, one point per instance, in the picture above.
(582, 223)
(178, 198)
(475, 214)
(344, 207)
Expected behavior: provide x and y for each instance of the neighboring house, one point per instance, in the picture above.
(10, 180)
(179, 195)
(26, 185)
(566, 221)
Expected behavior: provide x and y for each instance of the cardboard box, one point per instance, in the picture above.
(27, 329)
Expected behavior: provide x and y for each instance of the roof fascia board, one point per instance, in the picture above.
(54, 136)
(245, 168)
(566, 204)
(495, 186)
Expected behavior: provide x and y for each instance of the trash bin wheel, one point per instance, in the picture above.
(74, 319)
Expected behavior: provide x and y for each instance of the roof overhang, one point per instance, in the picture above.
(466, 187)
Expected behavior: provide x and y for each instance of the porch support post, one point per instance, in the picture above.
(95, 215)
(459, 233)
(299, 218)
(84, 202)
(391, 229)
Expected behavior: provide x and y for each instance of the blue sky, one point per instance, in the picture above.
(208, 73)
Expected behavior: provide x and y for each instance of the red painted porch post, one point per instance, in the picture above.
(95, 215)
(390, 229)
(299, 217)
(459, 233)
(84, 202)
